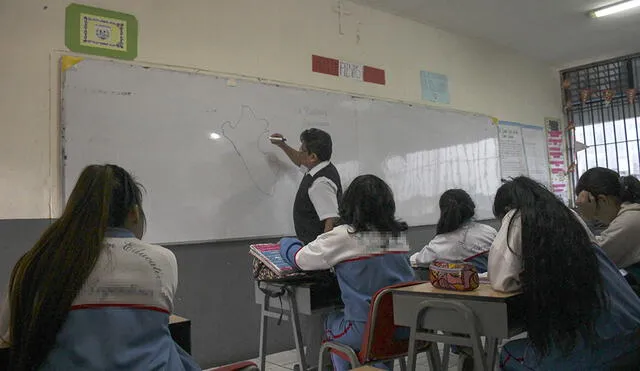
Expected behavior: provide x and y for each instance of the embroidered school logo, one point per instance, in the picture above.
(141, 253)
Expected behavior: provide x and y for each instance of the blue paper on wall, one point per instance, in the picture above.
(435, 87)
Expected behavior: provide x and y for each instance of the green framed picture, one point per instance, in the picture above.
(101, 32)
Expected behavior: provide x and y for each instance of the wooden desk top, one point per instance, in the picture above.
(366, 368)
(176, 319)
(484, 291)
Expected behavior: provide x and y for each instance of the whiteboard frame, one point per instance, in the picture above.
(56, 133)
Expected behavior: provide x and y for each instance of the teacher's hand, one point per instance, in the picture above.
(277, 139)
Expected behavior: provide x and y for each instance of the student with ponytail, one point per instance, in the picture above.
(458, 237)
(90, 295)
(606, 197)
(579, 311)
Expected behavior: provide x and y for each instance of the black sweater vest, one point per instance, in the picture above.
(305, 218)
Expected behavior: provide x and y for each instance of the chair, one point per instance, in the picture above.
(239, 366)
(379, 343)
(471, 338)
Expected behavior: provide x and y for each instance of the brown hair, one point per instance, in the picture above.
(46, 280)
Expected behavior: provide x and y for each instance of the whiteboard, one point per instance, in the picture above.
(157, 122)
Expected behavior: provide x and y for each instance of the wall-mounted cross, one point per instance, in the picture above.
(339, 8)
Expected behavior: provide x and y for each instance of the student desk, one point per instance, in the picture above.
(499, 315)
(366, 368)
(306, 299)
(180, 329)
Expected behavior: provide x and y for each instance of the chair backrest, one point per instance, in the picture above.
(480, 261)
(239, 366)
(380, 338)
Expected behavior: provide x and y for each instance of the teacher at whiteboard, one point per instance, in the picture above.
(315, 209)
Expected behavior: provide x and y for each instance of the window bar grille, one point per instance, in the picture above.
(593, 119)
(620, 113)
(613, 123)
(619, 92)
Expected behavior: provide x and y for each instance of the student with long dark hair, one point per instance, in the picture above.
(605, 197)
(579, 311)
(458, 237)
(368, 251)
(90, 295)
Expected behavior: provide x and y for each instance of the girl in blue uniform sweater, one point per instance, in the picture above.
(90, 295)
(368, 251)
(580, 312)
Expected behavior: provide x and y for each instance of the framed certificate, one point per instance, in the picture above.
(101, 32)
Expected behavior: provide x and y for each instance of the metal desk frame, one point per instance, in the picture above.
(497, 315)
(289, 306)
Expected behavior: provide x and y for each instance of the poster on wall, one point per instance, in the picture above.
(96, 31)
(557, 161)
(523, 151)
(512, 159)
(435, 87)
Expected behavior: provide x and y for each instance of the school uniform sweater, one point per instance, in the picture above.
(465, 242)
(120, 318)
(621, 239)
(364, 263)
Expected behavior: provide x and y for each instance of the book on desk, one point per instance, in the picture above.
(269, 255)
(280, 271)
(322, 286)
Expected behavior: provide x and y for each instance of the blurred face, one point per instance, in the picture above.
(307, 159)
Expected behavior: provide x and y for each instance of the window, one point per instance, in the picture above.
(601, 102)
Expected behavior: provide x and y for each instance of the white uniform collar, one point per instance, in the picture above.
(318, 167)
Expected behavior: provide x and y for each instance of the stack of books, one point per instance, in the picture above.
(269, 255)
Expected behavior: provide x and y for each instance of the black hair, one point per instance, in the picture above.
(126, 193)
(318, 142)
(368, 205)
(562, 287)
(602, 181)
(47, 278)
(456, 208)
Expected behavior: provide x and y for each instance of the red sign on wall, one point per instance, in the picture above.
(336, 67)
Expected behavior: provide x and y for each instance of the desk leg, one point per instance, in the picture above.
(491, 348)
(297, 334)
(264, 320)
(313, 335)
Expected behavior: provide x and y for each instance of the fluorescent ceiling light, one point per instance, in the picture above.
(615, 8)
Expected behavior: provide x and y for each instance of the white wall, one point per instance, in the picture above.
(273, 39)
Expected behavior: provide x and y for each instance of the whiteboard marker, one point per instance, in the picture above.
(278, 139)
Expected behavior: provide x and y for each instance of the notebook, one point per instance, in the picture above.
(269, 254)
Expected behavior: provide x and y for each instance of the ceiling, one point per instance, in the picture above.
(556, 31)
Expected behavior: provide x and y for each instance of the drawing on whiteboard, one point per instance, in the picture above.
(239, 134)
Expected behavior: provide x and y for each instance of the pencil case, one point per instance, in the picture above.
(457, 276)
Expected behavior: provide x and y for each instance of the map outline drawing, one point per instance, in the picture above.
(244, 108)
